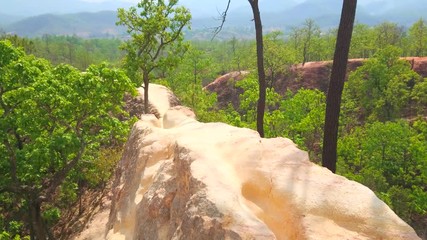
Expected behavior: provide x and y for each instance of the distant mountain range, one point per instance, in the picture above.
(88, 25)
(326, 14)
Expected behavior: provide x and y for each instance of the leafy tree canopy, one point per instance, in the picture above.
(382, 86)
(156, 38)
(53, 119)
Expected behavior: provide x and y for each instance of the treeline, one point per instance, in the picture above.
(72, 50)
(304, 43)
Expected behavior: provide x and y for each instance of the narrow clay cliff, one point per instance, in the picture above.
(182, 179)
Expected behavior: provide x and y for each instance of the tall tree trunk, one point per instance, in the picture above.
(260, 64)
(193, 100)
(304, 54)
(39, 230)
(336, 85)
(145, 78)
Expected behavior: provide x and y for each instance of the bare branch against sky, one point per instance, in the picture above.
(222, 19)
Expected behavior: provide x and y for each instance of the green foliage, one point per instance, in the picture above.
(186, 82)
(306, 41)
(418, 98)
(241, 52)
(383, 131)
(73, 50)
(301, 118)
(390, 158)
(100, 170)
(228, 56)
(53, 121)
(378, 149)
(51, 215)
(156, 35)
(249, 99)
(12, 231)
(298, 116)
(277, 55)
(362, 41)
(417, 35)
(382, 86)
(388, 34)
(27, 44)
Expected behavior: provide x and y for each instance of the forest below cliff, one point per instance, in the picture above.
(71, 89)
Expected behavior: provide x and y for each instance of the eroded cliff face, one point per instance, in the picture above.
(311, 75)
(213, 181)
(182, 179)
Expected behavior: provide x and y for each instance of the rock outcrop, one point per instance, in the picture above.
(316, 74)
(311, 75)
(182, 179)
(195, 180)
(225, 89)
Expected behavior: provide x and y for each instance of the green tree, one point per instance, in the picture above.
(276, 56)
(310, 32)
(388, 33)
(362, 41)
(382, 86)
(186, 82)
(52, 120)
(248, 102)
(301, 118)
(418, 38)
(325, 45)
(419, 98)
(295, 36)
(156, 30)
(236, 53)
(390, 158)
(27, 44)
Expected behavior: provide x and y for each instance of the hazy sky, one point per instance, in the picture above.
(36, 7)
(198, 8)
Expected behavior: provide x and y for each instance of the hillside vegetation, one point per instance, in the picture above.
(383, 130)
(88, 23)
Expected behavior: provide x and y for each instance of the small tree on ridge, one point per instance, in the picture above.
(156, 30)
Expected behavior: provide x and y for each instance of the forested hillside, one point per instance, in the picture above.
(63, 127)
(85, 24)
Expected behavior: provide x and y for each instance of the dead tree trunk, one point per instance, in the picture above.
(260, 65)
(336, 85)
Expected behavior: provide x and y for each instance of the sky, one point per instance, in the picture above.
(199, 8)
(37, 7)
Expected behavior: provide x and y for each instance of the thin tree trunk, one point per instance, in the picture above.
(304, 54)
(193, 100)
(146, 82)
(260, 64)
(336, 85)
(37, 224)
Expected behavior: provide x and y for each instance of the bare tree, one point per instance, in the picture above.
(260, 60)
(336, 85)
(260, 65)
(309, 31)
(222, 18)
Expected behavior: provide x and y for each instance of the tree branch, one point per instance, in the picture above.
(173, 38)
(57, 179)
(17, 189)
(12, 158)
(222, 18)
